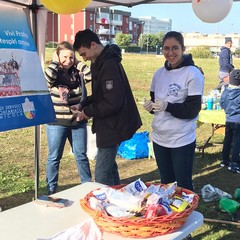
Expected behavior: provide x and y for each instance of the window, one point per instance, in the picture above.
(117, 17)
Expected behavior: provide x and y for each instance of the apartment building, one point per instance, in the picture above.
(106, 22)
(135, 29)
(154, 25)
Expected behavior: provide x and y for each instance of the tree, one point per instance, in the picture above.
(151, 41)
(123, 39)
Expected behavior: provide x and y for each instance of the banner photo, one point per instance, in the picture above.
(24, 97)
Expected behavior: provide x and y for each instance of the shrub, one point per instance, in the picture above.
(131, 49)
(201, 52)
(51, 45)
(237, 53)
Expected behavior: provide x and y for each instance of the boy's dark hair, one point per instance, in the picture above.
(228, 39)
(173, 34)
(85, 38)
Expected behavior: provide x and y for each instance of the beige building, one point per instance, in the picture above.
(214, 41)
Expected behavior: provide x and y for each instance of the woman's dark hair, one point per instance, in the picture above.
(177, 35)
(64, 46)
(85, 38)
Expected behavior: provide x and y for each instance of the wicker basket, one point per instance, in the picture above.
(139, 227)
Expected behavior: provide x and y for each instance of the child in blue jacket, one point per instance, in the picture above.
(230, 102)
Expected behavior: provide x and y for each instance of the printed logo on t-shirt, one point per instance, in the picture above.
(174, 89)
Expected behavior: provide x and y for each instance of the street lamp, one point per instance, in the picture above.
(147, 43)
(148, 35)
(142, 26)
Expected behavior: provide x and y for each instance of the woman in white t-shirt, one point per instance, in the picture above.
(176, 95)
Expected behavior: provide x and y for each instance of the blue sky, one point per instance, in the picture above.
(185, 20)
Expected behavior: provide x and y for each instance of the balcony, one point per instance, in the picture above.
(104, 42)
(102, 20)
(103, 31)
(114, 32)
(116, 23)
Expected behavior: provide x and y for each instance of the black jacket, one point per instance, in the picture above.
(112, 105)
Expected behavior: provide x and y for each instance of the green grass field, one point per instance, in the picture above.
(17, 153)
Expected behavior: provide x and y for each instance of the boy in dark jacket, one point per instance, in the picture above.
(225, 63)
(111, 105)
(230, 102)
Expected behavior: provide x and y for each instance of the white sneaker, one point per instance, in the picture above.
(234, 167)
(224, 164)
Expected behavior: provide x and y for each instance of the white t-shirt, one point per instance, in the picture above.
(174, 86)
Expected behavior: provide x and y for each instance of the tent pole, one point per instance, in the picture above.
(36, 158)
(34, 8)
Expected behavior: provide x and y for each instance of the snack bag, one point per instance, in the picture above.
(178, 204)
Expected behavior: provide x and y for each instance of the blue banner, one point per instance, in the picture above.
(24, 96)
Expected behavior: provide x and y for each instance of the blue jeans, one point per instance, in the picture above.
(231, 142)
(57, 136)
(106, 169)
(175, 164)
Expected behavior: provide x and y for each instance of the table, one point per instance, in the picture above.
(31, 221)
(216, 118)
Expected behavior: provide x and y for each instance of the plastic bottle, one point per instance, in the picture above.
(229, 205)
(237, 194)
(209, 103)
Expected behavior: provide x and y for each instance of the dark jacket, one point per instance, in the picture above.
(230, 102)
(225, 60)
(112, 105)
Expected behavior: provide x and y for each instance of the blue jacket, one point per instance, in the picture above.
(230, 102)
(225, 60)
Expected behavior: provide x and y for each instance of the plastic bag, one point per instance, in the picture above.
(210, 193)
(136, 147)
(87, 230)
(228, 205)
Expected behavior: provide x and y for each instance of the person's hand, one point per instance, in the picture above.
(148, 106)
(76, 107)
(78, 113)
(75, 112)
(159, 106)
(82, 116)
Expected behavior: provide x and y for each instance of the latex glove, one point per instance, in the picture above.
(148, 106)
(159, 106)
